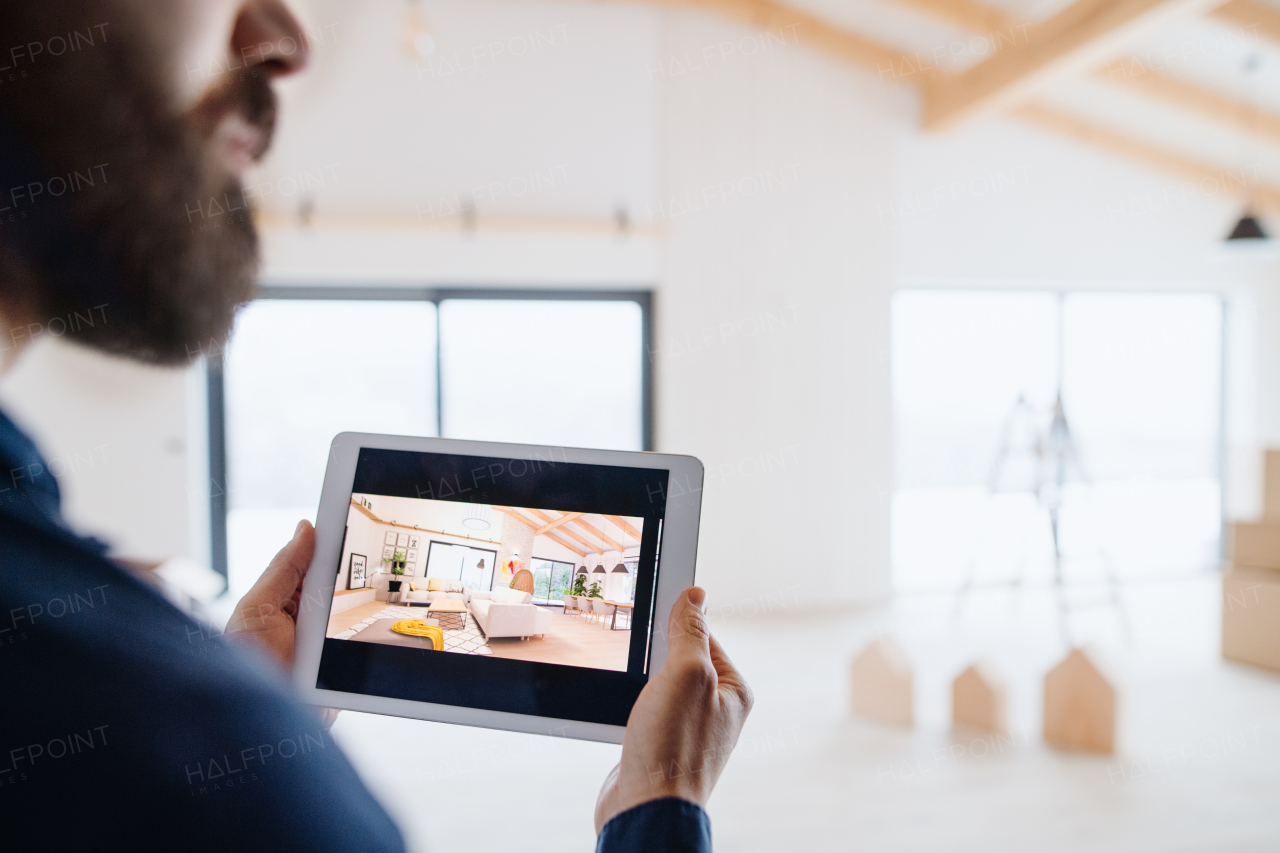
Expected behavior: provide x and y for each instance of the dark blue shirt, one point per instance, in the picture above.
(124, 724)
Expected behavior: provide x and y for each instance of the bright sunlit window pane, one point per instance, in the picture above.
(960, 361)
(542, 372)
(551, 580)
(297, 373)
(1141, 378)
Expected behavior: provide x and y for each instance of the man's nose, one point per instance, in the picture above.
(267, 34)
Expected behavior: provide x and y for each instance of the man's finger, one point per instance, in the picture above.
(284, 575)
(728, 676)
(687, 628)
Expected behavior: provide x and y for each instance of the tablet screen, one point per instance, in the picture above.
(517, 585)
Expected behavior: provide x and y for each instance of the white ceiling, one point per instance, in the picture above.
(587, 107)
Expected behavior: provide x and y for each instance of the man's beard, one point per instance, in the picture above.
(162, 220)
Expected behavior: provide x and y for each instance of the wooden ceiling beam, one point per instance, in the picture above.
(1265, 197)
(1075, 40)
(599, 534)
(623, 525)
(1186, 95)
(592, 547)
(546, 519)
(568, 532)
(506, 510)
(539, 530)
(550, 534)
(969, 14)
(976, 16)
(1264, 20)
(552, 525)
(1133, 73)
(788, 22)
(792, 26)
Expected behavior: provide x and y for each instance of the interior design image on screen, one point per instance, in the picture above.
(534, 577)
(477, 579)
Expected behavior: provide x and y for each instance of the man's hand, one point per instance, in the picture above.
(685, 723)
(267, 615)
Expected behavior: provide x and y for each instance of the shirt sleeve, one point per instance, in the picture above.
(671, 825)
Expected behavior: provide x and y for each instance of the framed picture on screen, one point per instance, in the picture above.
(356, 577)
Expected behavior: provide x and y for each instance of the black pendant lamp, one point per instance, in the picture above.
(1248, 232)
(1247, 229)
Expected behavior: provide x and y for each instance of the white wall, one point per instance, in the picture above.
(515, 90)
(773, 314)
(1005, 203)
(364, 536)
(435, 518)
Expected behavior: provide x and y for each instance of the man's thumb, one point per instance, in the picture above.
(284, 575)
(687, 629)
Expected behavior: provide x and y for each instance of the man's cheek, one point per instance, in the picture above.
(197, 32)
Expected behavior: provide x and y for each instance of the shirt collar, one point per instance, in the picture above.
(27, 486)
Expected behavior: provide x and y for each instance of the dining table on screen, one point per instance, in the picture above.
(620, 605)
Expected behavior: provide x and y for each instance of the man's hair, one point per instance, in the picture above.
(112, 189)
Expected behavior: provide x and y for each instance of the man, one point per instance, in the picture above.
(124, 725)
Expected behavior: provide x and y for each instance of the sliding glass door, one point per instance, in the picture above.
(551, 580)
(1011, 409)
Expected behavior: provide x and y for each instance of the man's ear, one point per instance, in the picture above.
(18, 284)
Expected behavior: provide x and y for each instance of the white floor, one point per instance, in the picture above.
(1198, 767)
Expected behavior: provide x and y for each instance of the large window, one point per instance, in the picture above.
(976, 376)
(303, 364)
(551, 580)
(450, 562)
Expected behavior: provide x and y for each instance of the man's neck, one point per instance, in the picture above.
(16, 278)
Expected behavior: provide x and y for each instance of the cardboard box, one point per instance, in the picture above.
(1255, 545)
(1271, 486)
(1251, 617)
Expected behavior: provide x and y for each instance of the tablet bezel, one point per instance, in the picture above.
(675, 572)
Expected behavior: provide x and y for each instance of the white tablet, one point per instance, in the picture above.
(507, 586)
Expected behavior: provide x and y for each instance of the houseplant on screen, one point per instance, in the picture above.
(397, 571)
(594, 592)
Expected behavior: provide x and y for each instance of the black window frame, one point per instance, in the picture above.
(215, 385)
